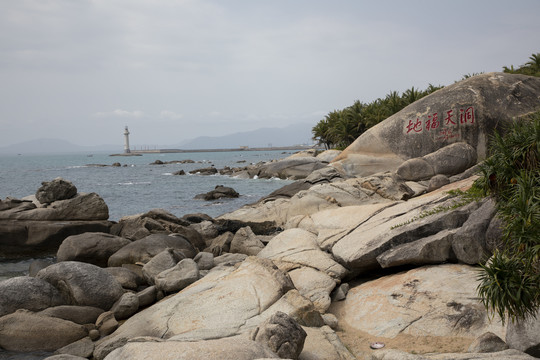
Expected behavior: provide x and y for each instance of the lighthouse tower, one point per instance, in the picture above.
(126, 141)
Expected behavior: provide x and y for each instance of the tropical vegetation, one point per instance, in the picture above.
(340, 128)
(510, 280)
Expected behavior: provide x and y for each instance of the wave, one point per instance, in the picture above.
(135, 183)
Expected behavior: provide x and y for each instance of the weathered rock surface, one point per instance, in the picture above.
(178, 277)
(487, 343)
(77, 314)
(450, 160)
(57, 189)
(219, 192)
(315, 285)
(317, 198)
(468, 111)
(83, 284)
(323, 343)
(293, 168)
(156, 221)
(145, 249)
(399, 224)
(392, 354)
(246, 242)
(205, 310)
(93, 248)
(236, 348)
(26, 331)
(29, 293)
(299, 247)
(433, 300)
(127, 278)
(282, 335)
(165, 260)
(125, 306)
(83, 348)
(525, 335)
(26, 229)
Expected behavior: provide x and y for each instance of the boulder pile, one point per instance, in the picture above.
(342, 259)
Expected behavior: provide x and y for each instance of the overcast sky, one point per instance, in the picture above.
(80, 70)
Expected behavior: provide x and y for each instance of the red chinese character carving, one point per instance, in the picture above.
(432, 121)
(448, 118)
(416, 127)
(466, 115)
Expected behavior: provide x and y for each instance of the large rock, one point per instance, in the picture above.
(317, 198)
(92, 248)
(219, 192)
(246, 242)
(83, 284)
(358, 248)
(83, 206)
(165, 260)
(178, 277)
(26, 331)
(299, 247)
(468, 111)
(145, 249)
(207, 309)
(34, 238)
(449, 160)
(236, 348)
(323, 343)
(282, 335)
(29, 293)
(77, 314)
(470, 244)
(524, 335)
(433, 300)
(293, 168)
(57, 189)
(315, 285)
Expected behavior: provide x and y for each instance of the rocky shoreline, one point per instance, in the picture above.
(320, 269)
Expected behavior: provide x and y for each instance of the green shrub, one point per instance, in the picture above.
(510, 281)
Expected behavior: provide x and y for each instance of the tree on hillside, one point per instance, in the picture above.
(531, 67)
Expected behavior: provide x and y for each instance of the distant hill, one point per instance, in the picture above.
(51, 146)
(295, 134)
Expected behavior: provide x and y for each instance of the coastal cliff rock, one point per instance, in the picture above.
(29, 227)
(468, 111)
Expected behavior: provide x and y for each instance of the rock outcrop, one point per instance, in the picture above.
(468, 111)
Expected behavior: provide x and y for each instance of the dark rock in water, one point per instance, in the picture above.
(219, 192)
(83, 284)
(197, 218)
(27, 331)
(145, 249)
(204, 171)
(179, 172)
(157, 162)
(29, 293)
(29, 237)
(58, 189)
(91, 247)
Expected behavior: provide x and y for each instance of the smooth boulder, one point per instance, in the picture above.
(83, 284)
(26, 331)
(146, 248)
(93, 248)
(29, 293)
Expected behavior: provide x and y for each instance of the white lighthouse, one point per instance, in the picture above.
(126, 141)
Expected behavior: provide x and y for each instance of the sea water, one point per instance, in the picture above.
(138, 185)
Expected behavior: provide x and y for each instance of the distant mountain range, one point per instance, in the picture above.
(296, 134)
